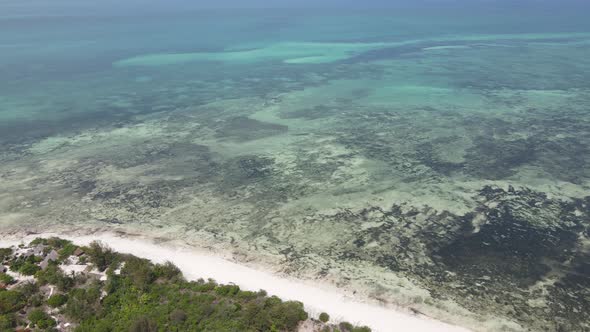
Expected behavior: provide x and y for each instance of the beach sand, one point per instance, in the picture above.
(316, 299)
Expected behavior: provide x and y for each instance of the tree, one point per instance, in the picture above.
(6, 279)
(178, 316)
(11, 301)
(324, 317)
(7, 322)
(29, 269)
(101, 255)
(140, 272)
(57, 300)
(83, 303)
(41, 319)
(5, 253)
(168, 271)
(67, 250)
(143, 324)
(54, 275)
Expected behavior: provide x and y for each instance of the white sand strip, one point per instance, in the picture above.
(196, 265)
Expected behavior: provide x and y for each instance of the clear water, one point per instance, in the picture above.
(434, 157)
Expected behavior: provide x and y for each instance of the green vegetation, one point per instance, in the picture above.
(29, 269)
(53, 275)
(137, 296)
(57, 300)
(347, 327)
(41, 319)
(11, 301)
(100, 255)
(67, 250)
(6, 279)
(5, 253)
(7, 322)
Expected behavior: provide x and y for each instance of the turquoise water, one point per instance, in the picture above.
(433, 157)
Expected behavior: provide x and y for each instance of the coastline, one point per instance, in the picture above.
(195, 265)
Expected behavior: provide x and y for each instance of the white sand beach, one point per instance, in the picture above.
(197, 265)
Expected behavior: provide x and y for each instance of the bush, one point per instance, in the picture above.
(361, 329)
(7, 322)
(57, 243)
(67, 251)
(41, 319)
(346, 327)
(178, 316)
(101, 255)
(143, 324)
(5, 253)
(29, 269)
(286, 316)
(11, 301)
(6, 279)
(324, 317)
(227, 290)
(53, 275)
(83, 303)
(57, 300)
(35, 300)
(139, 271)
(28, 289)
(168, 271)
(38, 241)
(54, 242)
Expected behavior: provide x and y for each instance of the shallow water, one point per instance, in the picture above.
(435, 157)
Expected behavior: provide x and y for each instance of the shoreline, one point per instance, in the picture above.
(195, 265)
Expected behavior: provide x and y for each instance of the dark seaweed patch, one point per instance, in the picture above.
(242, 128)
(512, 240)
(494, 159)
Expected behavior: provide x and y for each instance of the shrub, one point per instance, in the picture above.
(139, 271)
(6, 279)
(83, 303)
(168, 271)
(58, 243)
(38, 241)
(324, 317)
(29, 269)
(28, 289)
(7, 322)
(67, 251)
(287, 315)
(227, 290)
(5, 253)
(361, 329)
(11, 301)
(35, 300)
(53, 242)
(346, 327)
(178, 316)
(57, 300)
(101, 255)
(54, 275)
(143, 324)
(41, 319)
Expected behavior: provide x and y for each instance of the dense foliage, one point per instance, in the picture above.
(136, 296)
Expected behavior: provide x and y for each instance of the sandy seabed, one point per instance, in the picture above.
(197, 265)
